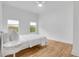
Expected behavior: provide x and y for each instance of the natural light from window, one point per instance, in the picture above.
(33, 27)
(13, 25)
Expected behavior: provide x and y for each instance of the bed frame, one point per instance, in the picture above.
(29, 41)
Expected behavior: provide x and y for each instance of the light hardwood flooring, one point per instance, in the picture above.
(53, 49)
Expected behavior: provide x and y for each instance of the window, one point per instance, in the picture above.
(13, 25)
(33, 27)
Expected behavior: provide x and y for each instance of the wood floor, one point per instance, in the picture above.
(53, 49)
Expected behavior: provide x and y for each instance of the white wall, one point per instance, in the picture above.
(1, 14)
(75, 50)
(57, 21)
(25, 17)
(0, 23)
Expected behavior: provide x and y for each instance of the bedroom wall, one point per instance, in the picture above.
(24, 17)
(0, 23)
(56, 22)
(75, 50)
(1, 15)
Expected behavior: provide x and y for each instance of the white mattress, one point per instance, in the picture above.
(34, 39)
(30, 37)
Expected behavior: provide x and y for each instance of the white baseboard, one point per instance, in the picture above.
(61, 40)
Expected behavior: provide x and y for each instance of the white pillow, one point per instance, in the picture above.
(13, 36)
(5, 37)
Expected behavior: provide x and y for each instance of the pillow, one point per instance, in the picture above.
(5, 37)
(13, 36)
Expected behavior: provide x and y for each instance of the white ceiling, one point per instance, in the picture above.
(32, 5)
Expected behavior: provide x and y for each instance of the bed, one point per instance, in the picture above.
(24, 41)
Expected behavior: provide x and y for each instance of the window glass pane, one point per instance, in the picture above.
(33, 27)
(13, 25)
(13, 22)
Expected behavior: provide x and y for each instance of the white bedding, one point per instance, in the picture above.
(12, 43)
(25, 41)
(34, 39)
